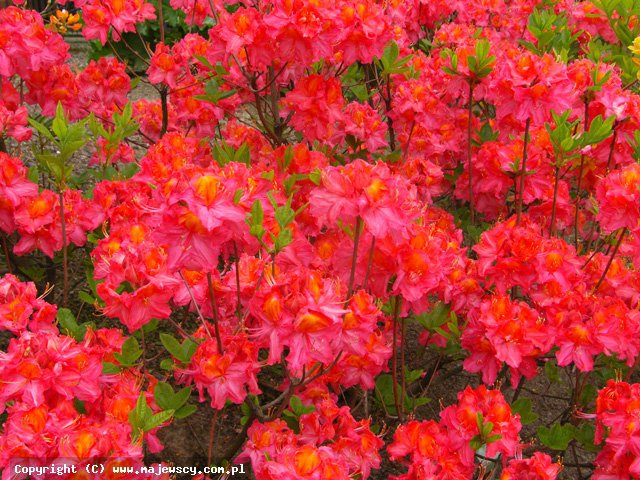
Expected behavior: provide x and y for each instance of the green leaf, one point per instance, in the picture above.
(292, 420)
(412, 403)
(390, 62)
(588, 394)
(360, 92)
(436, 317)
(296, 404)
(384, 392)
(42, 129)
(150, 326)
(524, 408)
(213, 92)
(558, 436)
(291, 180)
(158, 419)
(142, 409)
(52, 163)
(130, 352)
(172, 345)
(67, 320)
(487, 428)
(139, 417)
(269, 175)
(316, 176)
(599, 130)
(411, 376)
(34, 273)
(243, 154)
(109, 368)
(256, 216)
(167, 399)
(34, 174)
(390, 54)
(476, 443)
(182, 351)
(551, 371)
(60, 122)
(585, 435)
(450, 71)
(163, 394)
(204, 61)
(479, 421)
(167, 364)
(79, 406)
(185, 411)
(255, 228)
(284, 238)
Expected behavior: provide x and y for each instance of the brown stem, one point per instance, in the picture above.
(612, 148)
(590, 237)
(275, 111)
(369, 263)
(555, 202)
(65, 266)
(516, 394)
(469, 131)
(131, 49)
(212, 436)
(144, 350)
(7, 257)
(271, 136)
(367, 83)
(403, 389)
(596, 249)
(180, 329)
(354, 257)
(523, 171)
(239, 440)
(160, 21)
(195, 304)
(613, 254)
(165, 109)
(408, 144)
(238, 297)
(387, 102)
(394, 357)
(580, 171)
(214, 307)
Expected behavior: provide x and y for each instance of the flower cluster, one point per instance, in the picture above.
(310, 179)
(326, 443)
(37, 215)
(616, 423)
(445, 449)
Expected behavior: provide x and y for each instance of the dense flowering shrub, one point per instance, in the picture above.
(314, 184)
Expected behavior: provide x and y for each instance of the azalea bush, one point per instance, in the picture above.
(319, 210)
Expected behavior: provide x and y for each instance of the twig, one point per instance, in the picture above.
(523, 171)
(195, 304)
(214, 307)
(6, 253)
(369, 262)
(65, 261)
(354, 257)
(469, 131)
(613, 254)
(212, 432)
